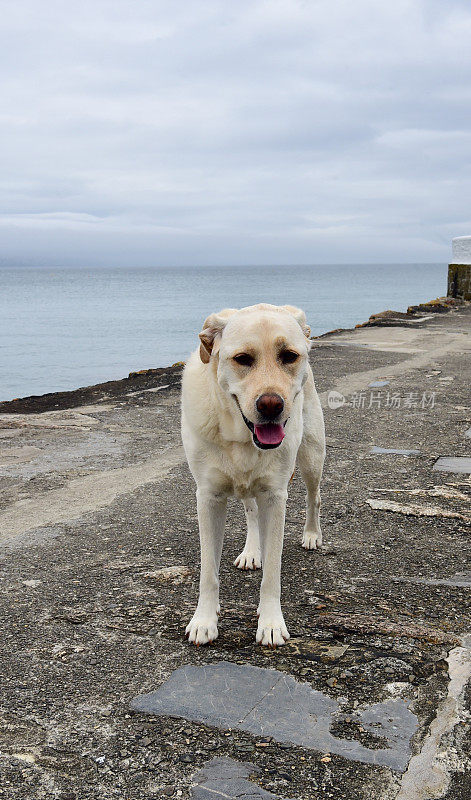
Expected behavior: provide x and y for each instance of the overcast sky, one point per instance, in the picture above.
(234, 132)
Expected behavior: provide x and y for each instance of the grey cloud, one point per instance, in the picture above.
(277, 131)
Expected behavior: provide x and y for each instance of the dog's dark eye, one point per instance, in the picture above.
(244, 359)
(288, 357)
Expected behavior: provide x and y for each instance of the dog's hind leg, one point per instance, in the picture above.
(250, 557)
(310, 461)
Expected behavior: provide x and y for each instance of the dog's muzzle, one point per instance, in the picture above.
(266, 436)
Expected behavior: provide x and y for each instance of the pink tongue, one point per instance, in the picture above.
(269, 433)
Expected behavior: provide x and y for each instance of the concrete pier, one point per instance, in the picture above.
(459, 271)
(101, 696)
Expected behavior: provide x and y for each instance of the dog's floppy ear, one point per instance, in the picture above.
(300, 318)
(210, 336)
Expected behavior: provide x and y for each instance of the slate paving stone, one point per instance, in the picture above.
(226, 779)
(460, 579)
(265, 702)
(393, 451)
(453, 464)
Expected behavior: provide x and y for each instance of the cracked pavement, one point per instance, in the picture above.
(99, 570)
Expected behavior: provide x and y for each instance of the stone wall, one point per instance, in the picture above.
(459, 281)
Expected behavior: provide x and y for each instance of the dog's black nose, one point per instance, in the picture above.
(270, 405)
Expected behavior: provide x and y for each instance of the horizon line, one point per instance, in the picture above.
(228, 265)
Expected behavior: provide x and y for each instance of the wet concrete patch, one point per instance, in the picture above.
(226, 779)
(453, 464)
(392, 451)
(18, 455)
(265, 702)
(65, 452)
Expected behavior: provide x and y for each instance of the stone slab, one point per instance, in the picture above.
(265, 702)
(453, 464)
(468, 434)
(462, 580)
(226, 779)
(377, 384)
(393, 451)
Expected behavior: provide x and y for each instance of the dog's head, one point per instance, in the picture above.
(260, 356)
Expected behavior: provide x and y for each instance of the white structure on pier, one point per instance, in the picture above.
(461, 250)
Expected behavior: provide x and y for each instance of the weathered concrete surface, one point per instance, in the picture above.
(99, 553)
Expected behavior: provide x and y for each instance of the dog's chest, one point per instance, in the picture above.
(246, 469)
(243, 468)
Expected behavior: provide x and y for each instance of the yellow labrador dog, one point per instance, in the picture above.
(250, 412)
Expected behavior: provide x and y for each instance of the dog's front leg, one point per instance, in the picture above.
(211, 518)
(271, 630)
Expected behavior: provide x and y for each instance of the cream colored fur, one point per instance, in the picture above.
(224, 459)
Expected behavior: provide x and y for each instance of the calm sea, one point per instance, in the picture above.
(65, 328)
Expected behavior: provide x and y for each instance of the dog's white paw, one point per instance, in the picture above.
(202, 629)
(248, 559)
(311, 540)
(272, 631)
